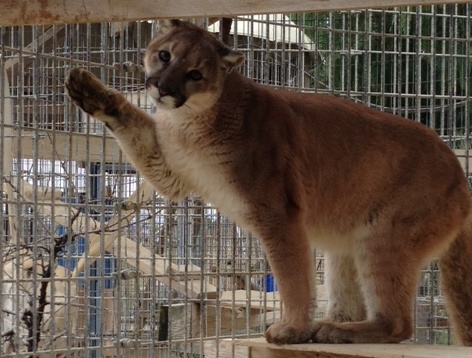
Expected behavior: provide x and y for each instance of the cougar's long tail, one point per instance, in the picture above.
(456, 271)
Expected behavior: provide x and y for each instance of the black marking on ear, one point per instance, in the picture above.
(176, 22)
(223, 50)
(108, 126)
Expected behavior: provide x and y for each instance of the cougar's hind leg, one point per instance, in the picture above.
(387, 276)
(345, 299)
(456, 281)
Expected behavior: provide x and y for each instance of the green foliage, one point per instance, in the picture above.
(380, 54)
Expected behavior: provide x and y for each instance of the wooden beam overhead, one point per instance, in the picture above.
(33, 12)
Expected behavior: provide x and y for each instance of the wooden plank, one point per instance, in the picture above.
(16, 298)
(78, 147)
(259, 348)
(141, 195)
(227, 321)
(210, 320)
(133, 253)
(69, 146)
(129, 347)
(33, 12)
(269, 301)
(224, 349)
(141, 258)
(7, 158)
(60, 213)
(73, 146)
(42, 193)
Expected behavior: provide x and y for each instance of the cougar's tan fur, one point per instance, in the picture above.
(379, 194)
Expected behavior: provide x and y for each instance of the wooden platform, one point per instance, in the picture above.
(259, 348)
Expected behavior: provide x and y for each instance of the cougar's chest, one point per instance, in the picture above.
(194, 153)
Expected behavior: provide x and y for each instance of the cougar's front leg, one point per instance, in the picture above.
(291, 258)
(133, 128)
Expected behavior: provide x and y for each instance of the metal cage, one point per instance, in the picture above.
(96, 264)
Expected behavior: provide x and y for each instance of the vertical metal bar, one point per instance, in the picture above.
(383, 60)
(88, 303)
(432, 77)
(406, 77)
(419, 55)
(3, 213)
(332, 54)
(52, 262)
(454, 55)
(18, 207)
(467, 94)
(444, 70)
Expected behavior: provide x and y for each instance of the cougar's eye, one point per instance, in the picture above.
(195, 75)
(164, 56)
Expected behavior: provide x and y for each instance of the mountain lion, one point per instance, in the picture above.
(379, 194)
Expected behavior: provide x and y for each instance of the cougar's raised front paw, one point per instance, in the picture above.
(88, 92)
(283, 333)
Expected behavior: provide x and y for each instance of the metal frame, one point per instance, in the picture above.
(170, 278)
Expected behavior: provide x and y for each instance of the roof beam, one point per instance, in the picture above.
(33, 12)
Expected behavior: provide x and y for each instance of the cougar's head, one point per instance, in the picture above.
(186, 66)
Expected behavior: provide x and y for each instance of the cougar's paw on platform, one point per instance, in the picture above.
(284, 333)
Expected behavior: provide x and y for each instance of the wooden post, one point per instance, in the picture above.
(7, 143)
(13, 222)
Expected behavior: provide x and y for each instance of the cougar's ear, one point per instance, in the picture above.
(231, 58)
(166, 26)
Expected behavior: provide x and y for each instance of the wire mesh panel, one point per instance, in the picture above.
(96, 264)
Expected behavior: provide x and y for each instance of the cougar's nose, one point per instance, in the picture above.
(154, 82)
